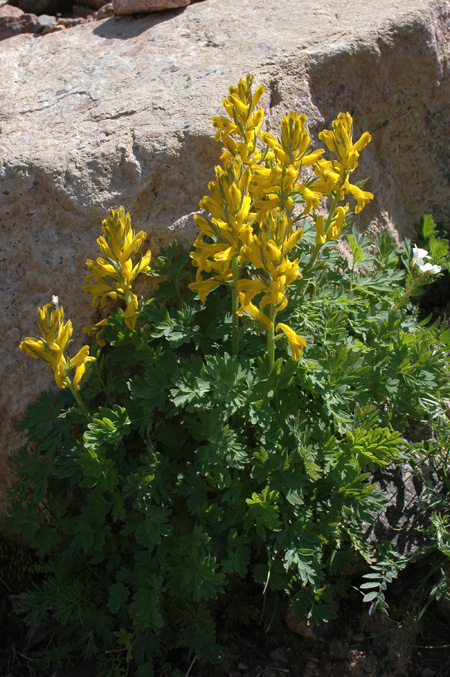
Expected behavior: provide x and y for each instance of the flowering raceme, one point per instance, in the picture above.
(333, 175)
(243, 122)
(51, 346)
(248, 240)
(113, 274)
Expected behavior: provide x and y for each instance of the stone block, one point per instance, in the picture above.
(145, 6)
(14, 21)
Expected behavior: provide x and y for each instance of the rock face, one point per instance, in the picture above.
(116, 112)
(131, 6)
(14, 21)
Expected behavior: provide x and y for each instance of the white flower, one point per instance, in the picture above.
(428, 268)
(418, 257)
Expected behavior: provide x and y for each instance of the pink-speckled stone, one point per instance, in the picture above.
(14, 21)
(144, 6)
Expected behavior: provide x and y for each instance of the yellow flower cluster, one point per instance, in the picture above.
(243, 122)
(247, 240)
(112, 275)
(51, 346)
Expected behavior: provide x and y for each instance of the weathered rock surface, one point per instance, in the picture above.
(46, 23)
(132, 6)
(105, 11)
(117, 112)
(14, 21)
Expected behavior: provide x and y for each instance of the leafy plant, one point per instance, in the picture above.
(206, 453)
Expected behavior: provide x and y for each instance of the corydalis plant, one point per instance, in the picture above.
(113, 274)
(248, 239)
(54, 338)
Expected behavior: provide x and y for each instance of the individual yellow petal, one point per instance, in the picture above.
(249, 289)
(259, 91)
(321, 236)
(311, 197)
(203, 287)
(312, 158)
(60, 374)
(296, 342)
(97, 330)
(335, 229)
(293, 240)
(79, 362)
(33, 347)
(130, 312)
(361, 196)
(253, 311)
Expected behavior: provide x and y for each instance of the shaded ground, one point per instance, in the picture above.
(355, 645)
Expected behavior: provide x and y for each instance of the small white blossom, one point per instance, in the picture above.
(418, 259)
(419, 255)
(429, 268)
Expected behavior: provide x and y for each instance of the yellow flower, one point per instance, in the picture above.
(55, 336)
(335, 228)
(329, 175)
(321, 236)
(296, 342)
(311, 197)
(291, 150)
(362, 197)
(340, 142)
(130, 312)
(248, 289)
(203, 287)
(97, 330)
(79, 362)
(248, 308)
(113, 274)
(239, 132)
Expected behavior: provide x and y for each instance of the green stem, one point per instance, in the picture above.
(271, 338)
(234, 308)
(77, 397)
(407, 293)
(307, 269)
(331, 213)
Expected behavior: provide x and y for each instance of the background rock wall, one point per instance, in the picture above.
(116, 112)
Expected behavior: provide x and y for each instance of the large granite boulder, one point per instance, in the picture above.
(116, 112)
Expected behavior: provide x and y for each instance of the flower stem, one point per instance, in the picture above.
(318, 247)
(234, 308)
(271, 338)
(409, 290)
(77, 397)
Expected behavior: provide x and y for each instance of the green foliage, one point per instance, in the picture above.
(17, 565)
(196, 471)
(432, 237)
(432, 469)
(386, 569)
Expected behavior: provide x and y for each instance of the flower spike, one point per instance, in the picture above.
(51, 346)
